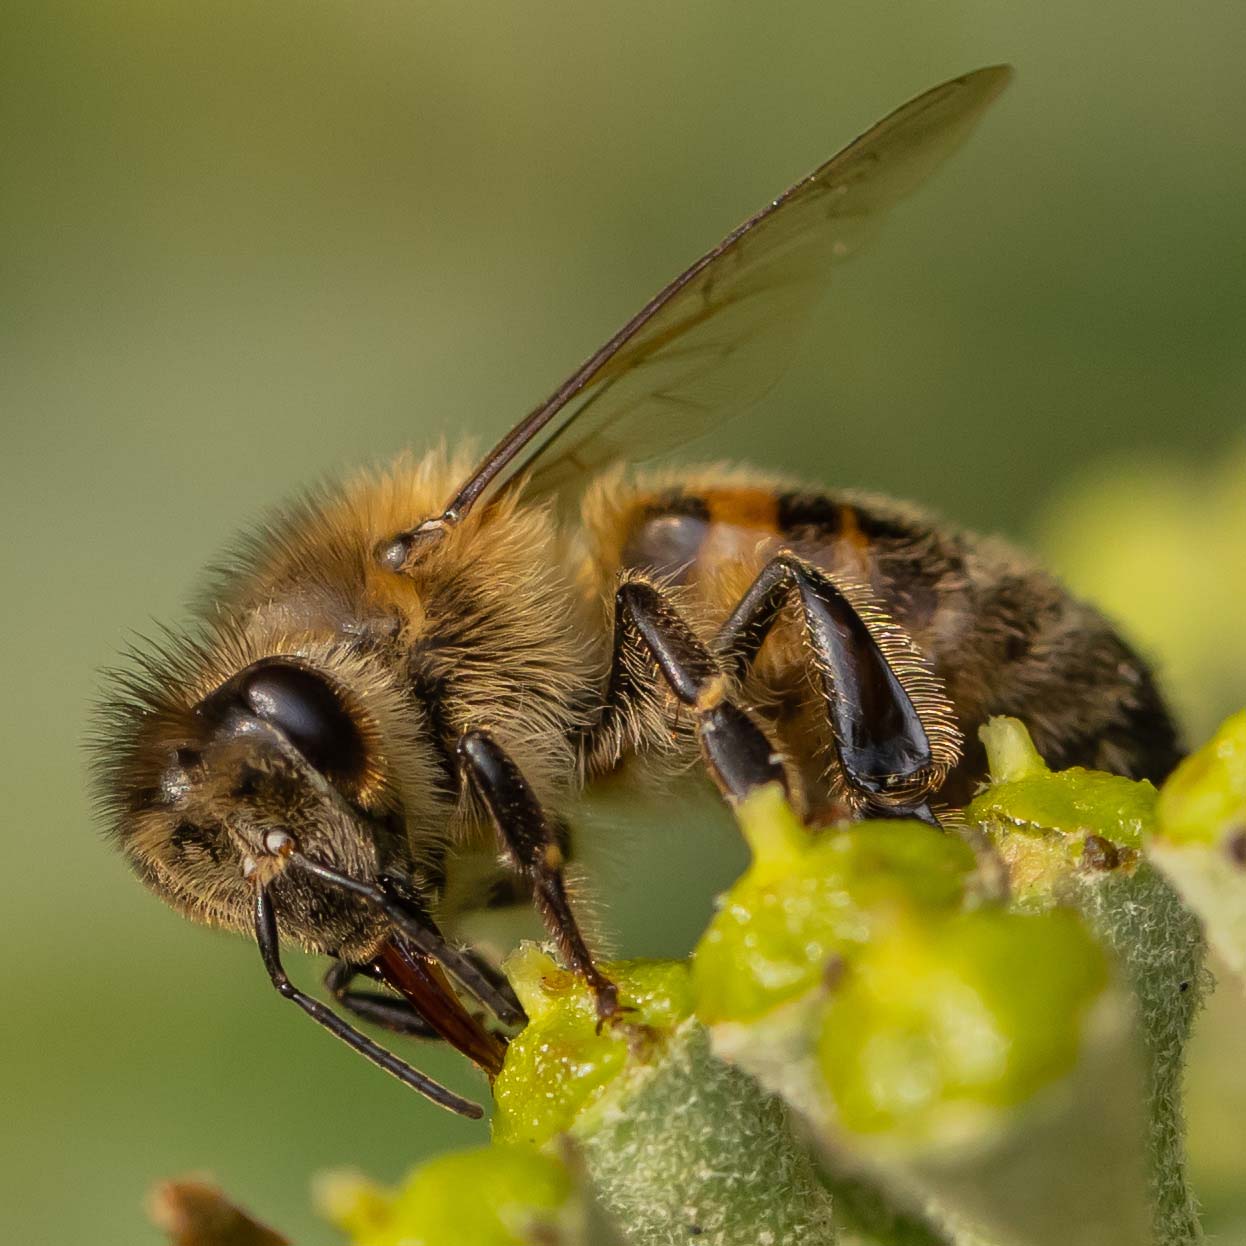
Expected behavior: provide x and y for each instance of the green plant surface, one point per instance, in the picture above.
(563, 1063)
(488, 1196)
(928, 1034)
(1200, 840)
(1070, 838)
(699, 1152)
(1204, 799)
(1025, 795)
(807, 901)
(677, 1144)
(936, 1019)
(862, 940)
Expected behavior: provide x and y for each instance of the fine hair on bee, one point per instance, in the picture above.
(396, 679)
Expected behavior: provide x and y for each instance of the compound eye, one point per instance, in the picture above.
(308, 712)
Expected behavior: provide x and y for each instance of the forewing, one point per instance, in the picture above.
(721, 334)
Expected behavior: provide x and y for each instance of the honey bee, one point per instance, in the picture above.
(385, 682)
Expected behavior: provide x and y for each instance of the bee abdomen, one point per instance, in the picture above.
(690, 534)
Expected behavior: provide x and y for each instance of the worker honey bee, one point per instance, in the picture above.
(386, 681)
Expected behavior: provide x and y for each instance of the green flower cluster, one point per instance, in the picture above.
(491, 1196)
(918, 1012)
(562, 1066)
(1200, 840)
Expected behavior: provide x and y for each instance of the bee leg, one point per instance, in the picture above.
(383, 1010)
(530, 842)
(395, 899)
(739, 755)
(489, 985)
(883, 746)
(920, 811)
(270, 953)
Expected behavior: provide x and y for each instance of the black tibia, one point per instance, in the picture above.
(879, 737)
(416, 928)
(530, 842)
(739, 755)
(383, 1010)
(266, 937)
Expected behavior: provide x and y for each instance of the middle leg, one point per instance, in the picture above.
(648, 625)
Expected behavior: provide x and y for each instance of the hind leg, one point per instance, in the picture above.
(893, 727)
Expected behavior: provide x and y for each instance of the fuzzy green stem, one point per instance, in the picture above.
(679, 1147)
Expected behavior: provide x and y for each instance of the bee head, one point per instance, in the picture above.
(212, 758)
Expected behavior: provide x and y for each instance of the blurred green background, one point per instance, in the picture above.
(246, 245)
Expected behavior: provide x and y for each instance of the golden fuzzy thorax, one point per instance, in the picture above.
(487, 620)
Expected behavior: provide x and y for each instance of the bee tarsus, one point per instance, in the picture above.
(737, 753)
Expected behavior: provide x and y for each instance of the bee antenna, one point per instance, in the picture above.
(270, 952)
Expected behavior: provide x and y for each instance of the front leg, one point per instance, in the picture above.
(387, 1011)
(266, 937)
(530, 842)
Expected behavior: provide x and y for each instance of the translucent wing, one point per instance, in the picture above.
(720, 335)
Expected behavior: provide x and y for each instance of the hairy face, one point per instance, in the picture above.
(211, 755)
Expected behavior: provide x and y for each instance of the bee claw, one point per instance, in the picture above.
(610, 1011)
